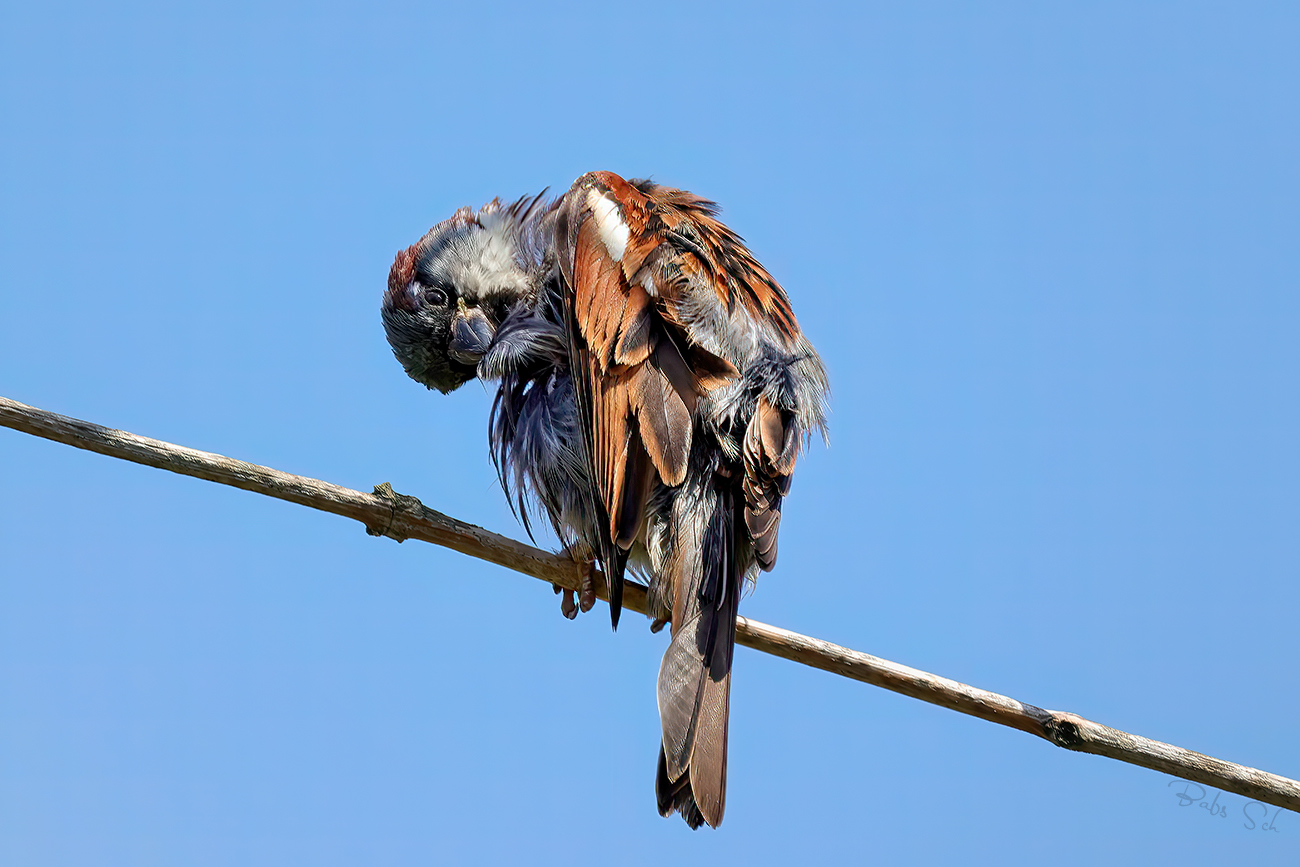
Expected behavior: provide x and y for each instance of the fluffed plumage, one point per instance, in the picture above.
(655, 392)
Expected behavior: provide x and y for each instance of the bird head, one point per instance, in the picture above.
(449, 291)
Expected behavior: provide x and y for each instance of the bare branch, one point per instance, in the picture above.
(386, 513)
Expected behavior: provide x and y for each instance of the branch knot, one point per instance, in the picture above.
(1064, 733)
(396, 502)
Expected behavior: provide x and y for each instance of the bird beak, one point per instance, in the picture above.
(471, 334)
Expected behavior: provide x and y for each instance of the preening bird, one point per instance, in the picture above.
(654, 393)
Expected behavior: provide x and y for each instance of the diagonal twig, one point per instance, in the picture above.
(397, 516)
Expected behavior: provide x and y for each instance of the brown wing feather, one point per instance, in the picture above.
(636, 329)
(664, 422)
(770, 448)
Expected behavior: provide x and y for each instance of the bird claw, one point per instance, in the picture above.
(584, 599)
(567, 606)
(658, 624)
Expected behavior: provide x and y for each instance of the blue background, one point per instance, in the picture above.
(1048, 253)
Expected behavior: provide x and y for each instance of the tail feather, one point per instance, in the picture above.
(709, 757)
(695, 677)
(676, 797)
(681, 676)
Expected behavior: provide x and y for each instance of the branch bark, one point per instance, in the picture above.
(400, 517)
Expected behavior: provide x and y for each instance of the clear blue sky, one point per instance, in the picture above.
(1049, 254)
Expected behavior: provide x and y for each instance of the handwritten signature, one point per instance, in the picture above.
(1255, 813)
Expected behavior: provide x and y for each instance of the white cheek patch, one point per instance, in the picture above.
(483, 261)
(614, 233)
(497, 253)
(496, 266)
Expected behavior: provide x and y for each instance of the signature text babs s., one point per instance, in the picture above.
(1255, 814)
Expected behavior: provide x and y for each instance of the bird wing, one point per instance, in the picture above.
(631, 253)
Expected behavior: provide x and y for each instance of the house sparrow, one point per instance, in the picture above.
(654, 393)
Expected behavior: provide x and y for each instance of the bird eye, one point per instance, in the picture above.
(435, 296)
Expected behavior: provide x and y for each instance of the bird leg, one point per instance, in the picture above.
(586, 596)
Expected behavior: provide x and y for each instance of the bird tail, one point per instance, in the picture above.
(695, 676)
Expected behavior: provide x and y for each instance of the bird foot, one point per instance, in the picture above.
(585, 598)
